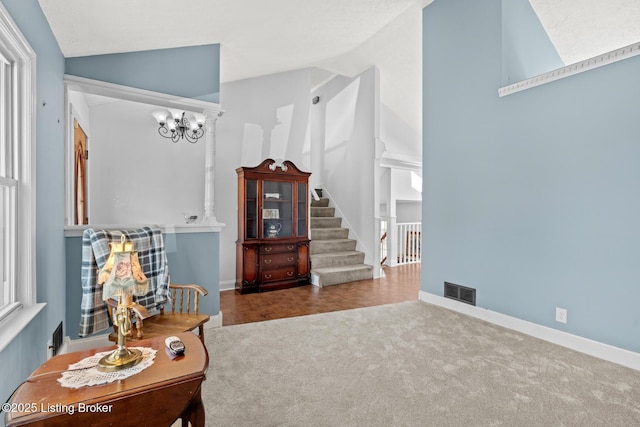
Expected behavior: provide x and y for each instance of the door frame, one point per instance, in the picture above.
(80, 159)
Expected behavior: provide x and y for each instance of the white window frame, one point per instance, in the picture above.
(23, 306)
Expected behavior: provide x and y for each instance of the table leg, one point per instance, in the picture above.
(194, 413)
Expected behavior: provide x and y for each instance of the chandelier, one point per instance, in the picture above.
(177, 125)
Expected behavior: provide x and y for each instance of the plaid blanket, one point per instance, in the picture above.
(148, 242)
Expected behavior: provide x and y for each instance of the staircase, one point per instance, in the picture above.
(334, 258)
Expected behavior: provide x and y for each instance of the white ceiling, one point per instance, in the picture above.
(582, 29)
(257, 37)
(260, 37)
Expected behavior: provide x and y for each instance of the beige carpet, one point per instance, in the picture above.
(407, 364)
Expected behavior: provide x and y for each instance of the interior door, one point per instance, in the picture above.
(80, 174)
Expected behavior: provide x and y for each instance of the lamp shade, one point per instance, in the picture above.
(177, 114)
(200, 119)
(160, 116)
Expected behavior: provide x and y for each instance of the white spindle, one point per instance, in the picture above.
(409, 236)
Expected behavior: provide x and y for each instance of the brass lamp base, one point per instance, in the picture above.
(121, 358)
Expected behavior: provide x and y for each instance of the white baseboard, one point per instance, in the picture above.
(315, 280)
(227, 285)
(214, 322)
(597, 349)
(70, 346)
(81, 344)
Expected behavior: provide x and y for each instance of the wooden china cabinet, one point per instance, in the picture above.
(272, 250)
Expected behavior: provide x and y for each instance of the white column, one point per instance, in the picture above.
(209, 167)
(392, 242)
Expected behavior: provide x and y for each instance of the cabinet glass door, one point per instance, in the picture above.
(277, 209)
(251, 203)
(302, 209)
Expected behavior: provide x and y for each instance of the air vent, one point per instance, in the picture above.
(56, 340)
(460, 293)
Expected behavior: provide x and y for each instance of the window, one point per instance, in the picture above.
(17, 180)
(8, 186)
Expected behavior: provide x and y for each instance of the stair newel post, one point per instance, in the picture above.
(392, 242)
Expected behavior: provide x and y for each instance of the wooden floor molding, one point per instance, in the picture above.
(400, 284)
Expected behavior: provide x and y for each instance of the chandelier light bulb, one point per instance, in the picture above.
(199, 119)
(160, 116)
(177, 114)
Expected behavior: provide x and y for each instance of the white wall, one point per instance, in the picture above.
(398, 137)
(129, 186)
(348, 107)
(408, 211)
(396, 50)
(398, 189)
(401, 188)
(265, 117)
(80, 110)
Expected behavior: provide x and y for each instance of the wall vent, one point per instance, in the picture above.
(460, 293)
(56, 340)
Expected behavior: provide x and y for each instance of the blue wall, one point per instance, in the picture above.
(191, 72)
(526, 48)
(531, 198)
(28, 350)
(192, 257)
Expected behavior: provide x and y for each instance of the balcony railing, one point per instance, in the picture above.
(400, 243)
(409, 236)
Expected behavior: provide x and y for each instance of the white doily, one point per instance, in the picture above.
(85, 372)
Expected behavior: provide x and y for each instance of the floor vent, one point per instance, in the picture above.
(460, 293)
(56, 340)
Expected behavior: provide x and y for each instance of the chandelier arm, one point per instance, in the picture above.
(191, 137)
(196, 134)
(164, 132)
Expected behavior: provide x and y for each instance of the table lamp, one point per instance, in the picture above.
(122, 278)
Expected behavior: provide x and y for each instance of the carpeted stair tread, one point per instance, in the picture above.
(328, 276)
(334, 259)
(320, 212)
(334, 245)
(323, 202)
(325, 222)
(329, 233)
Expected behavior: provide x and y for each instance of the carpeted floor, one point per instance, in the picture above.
(407, 364)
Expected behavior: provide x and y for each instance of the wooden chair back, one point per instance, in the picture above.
(184, 315)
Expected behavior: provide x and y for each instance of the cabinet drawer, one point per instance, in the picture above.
(282, 273)
(278, 260)
(277, 248)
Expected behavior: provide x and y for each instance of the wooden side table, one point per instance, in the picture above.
(158, 396)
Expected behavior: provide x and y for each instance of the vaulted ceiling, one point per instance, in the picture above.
(582, 29)
(332, 36)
